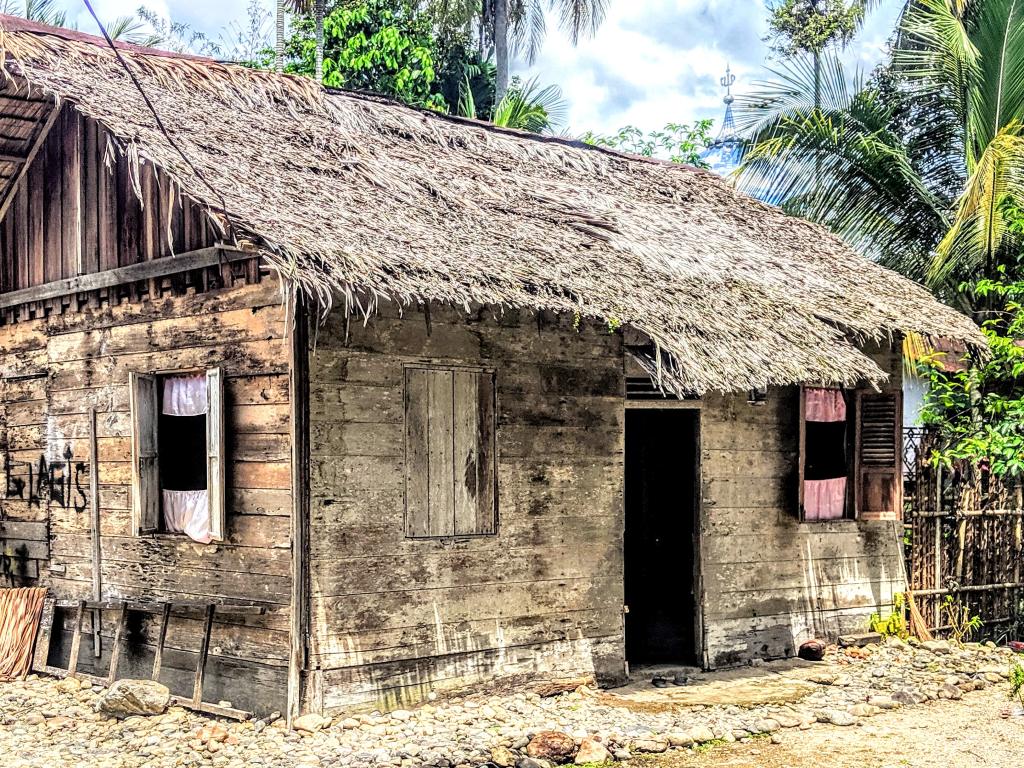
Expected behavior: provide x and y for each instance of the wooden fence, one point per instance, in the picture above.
(964, 536)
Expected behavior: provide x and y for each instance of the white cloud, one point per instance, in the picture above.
(659, 61)
(651, 62)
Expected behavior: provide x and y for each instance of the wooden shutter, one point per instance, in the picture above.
(215, 454)
(449, 452)
(879, 466)
(145, 410)
(474, 468)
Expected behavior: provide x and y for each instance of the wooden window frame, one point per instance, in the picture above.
(419, 521)
(144, 406)
(856, 468)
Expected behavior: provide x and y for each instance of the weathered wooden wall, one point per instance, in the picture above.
(769, 581)
(395, 618)
(56, 368)
(76, 211)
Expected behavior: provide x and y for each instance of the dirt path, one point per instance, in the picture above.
(945, 734)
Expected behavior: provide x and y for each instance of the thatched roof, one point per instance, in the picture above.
(357, 196)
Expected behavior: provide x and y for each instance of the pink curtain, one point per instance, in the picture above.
(824, 404)
(188, 512)
(185, 395)
(825, 499)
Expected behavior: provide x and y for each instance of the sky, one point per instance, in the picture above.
(652, 62)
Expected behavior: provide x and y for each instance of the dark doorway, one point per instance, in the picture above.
(660, 545)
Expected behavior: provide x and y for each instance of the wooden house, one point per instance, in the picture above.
(382, 404)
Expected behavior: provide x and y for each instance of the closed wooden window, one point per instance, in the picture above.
(879, 469)
(450, 468)
(178, 459)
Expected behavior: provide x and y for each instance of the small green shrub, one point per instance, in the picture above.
(893, 625)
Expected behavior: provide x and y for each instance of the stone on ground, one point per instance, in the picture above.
(134, 697)
(551, 745)
(592, 751)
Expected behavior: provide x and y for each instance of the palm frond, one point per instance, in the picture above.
(843, 169)
(529, 107)
(939, 61)
(790, 93)
(980, 230)
(467, 103)
(527, 27)
(999, 93)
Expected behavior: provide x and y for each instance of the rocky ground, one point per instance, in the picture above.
(44, 722)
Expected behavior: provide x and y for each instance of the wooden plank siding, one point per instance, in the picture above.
(76, 211)
(82, 360)
(394, 618)
(769, 581)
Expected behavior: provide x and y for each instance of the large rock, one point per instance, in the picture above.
(310, 722)
(134, 697)
(592, 751)
(551, 745)
(812, 650)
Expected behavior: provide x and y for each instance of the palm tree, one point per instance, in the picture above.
(301, 6)
(520, 26)
(917, 166)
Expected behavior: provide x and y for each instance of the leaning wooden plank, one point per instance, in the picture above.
(42, 649)
(76, 639)
(204, 650)
(165, 617)
(204, 257)
(211, 709)
(115, 651)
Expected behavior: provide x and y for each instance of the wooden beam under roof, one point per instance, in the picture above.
(37, 144)
(144, 270)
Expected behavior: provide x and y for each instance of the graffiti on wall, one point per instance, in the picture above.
(63, 482)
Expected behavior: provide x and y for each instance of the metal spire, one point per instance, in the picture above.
(723, 153)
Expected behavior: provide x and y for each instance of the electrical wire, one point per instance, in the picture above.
(156, 115)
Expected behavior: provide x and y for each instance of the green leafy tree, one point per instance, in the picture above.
(678, 142)
(913, 166)
(978, 408)
(374, 45)
(798, 27)
(811, 26)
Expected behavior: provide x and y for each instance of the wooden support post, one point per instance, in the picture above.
(76, 639)
(936, 610)
(94, 516)
(115, 651)
(298, 394)
(197, 687)
(158, 657)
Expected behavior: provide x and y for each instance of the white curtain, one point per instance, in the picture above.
(185, 395)
(188, 512)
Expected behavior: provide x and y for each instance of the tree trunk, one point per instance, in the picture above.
(500, 50)
(279, 47)
(319, 11)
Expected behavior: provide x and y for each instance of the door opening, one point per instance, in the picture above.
(660, 545)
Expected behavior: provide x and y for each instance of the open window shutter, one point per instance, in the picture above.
(144, 404)
(215, 454)
(879, 470)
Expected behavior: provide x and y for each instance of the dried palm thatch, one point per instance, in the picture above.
(353, 195)
(20, 612)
